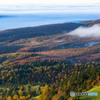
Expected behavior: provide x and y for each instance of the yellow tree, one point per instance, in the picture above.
(15, 97)
(0, 97)
(22, 97)
(20, 92)
(9, 98)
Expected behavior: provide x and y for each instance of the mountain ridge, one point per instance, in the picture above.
(38, 31)
(91, 22)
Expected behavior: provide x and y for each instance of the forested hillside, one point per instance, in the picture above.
(47, 63)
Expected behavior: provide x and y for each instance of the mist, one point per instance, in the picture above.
(93, 31)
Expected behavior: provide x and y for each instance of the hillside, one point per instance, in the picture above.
(29, 32)
(14, 35)
(94, 89)
(46, 62)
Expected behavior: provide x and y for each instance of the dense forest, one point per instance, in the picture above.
(59, 78)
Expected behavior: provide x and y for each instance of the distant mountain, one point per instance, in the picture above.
(29, 32)
(24, 34)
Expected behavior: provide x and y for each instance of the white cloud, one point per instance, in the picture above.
(93, 31)
(49, 6)
(48, 2)
(49, 9)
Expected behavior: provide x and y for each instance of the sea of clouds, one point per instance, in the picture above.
(93, 31)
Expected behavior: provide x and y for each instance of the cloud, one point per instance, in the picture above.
(49, 2)
(93, 31)
(49, 9)
(49, 6)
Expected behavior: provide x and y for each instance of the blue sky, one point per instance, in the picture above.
(49, 6)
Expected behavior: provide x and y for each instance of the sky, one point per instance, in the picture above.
(49, 6)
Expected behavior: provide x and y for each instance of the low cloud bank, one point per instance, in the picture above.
(93, 31)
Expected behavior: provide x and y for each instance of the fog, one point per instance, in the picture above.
(93, 31)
